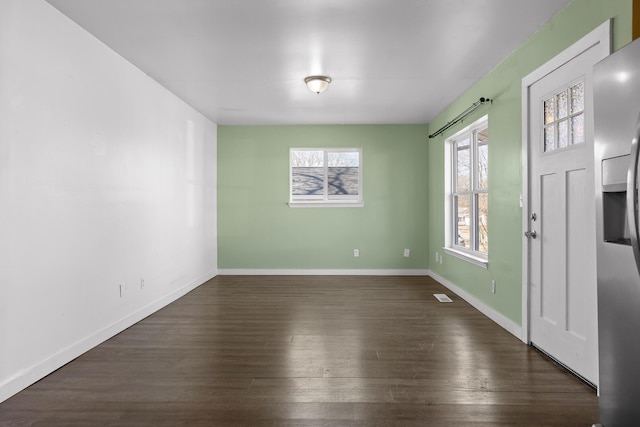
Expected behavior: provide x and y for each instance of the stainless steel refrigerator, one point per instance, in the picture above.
(617, 131)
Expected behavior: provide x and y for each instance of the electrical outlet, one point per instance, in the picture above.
(493, 286)
(356, 253)
(142, 284)
(436, 256)
(123, 289)
(407, 253)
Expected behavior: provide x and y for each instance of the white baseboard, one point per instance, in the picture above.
(24, 379)
(303, 272)
(500, 319)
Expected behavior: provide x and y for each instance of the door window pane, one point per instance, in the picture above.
(561, 104)
(549, 111)
(564, 118)
(549, 138)
(563, 134)
(577, 98)
(577, 129)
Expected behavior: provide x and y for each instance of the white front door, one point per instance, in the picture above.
(562, 285)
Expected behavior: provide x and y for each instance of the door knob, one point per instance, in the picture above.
(530, 234)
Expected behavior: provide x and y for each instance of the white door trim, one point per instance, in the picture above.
(600, 38)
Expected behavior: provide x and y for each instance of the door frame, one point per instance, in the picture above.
(600, 38)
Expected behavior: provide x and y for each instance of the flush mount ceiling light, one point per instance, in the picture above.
(317, 84)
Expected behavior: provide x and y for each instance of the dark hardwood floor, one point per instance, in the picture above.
(309, 351)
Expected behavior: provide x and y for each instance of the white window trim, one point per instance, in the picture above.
(324, 203)
(467, 256)
(477, 258)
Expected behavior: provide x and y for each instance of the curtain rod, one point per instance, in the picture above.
(461, 116)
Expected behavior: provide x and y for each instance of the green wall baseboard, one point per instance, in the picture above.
(506, 323)
(314, 272)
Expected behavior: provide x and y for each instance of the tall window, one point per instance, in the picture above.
(330, 177)
(469, 191)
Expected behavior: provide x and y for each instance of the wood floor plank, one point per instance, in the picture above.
(309, 351)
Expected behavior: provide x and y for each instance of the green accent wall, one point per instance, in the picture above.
(504, 85)
(258, 230)
(403, 181)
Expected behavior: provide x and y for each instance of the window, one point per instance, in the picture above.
(564, 118)
(468, 191)
(325, 177)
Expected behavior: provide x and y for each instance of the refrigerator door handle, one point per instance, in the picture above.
(632, 195)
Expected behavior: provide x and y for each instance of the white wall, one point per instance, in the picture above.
(106, 178)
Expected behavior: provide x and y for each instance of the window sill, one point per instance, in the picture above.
(326, 204)
(473, 259)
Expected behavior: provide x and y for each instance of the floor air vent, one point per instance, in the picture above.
(442, 297)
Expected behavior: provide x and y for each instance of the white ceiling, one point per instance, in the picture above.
(244, 61)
